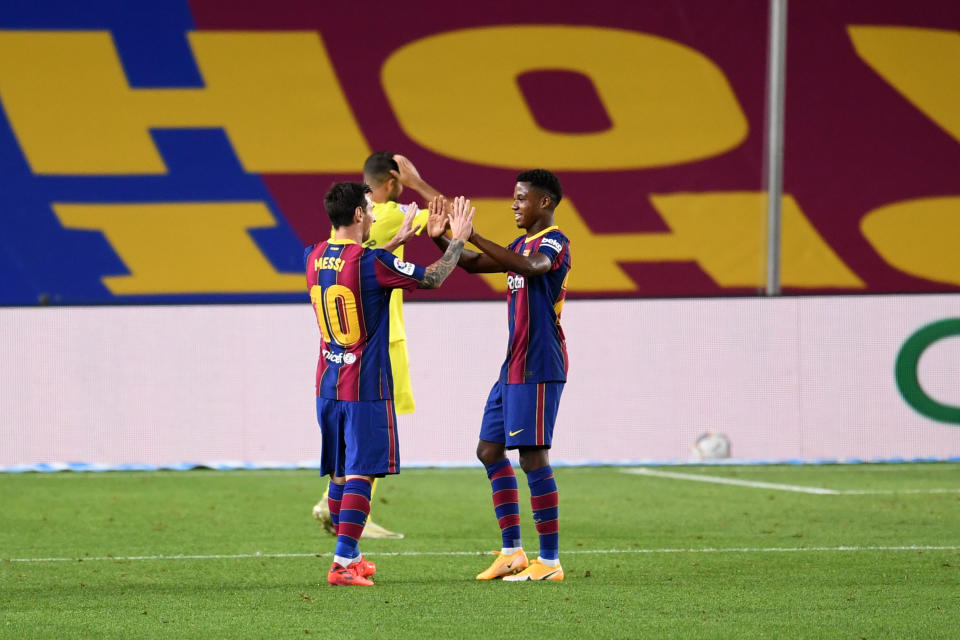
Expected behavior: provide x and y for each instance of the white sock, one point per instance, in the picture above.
(345, 562)
(508, 550)
(549, 563)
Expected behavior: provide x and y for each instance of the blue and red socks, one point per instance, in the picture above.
(543, 500)
(334, 496)
(354, 509)
(506, 503)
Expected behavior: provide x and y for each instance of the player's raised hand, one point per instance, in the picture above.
(408, 174)
(437, 222)
(461, 224)
(461, 218)
(407, 230)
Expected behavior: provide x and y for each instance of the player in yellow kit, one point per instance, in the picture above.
(388, 174)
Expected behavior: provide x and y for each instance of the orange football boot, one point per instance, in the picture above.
(537, 571)
(504, 565)
(366, 569)
(348, 576)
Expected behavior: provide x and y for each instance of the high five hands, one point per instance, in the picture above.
(437, 222)
(443, 212)
(461, 218)
(407, 230)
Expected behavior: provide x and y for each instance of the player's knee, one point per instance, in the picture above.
(483, 454)
(489, 452)
(533, 459)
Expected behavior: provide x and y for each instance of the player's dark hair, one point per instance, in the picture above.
(342, 201)
(545, 181)
(376, 170)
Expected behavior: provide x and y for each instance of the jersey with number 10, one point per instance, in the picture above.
(537, 349)
(350, 289)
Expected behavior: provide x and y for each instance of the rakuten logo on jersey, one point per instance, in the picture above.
(515, 282)
(339, 358)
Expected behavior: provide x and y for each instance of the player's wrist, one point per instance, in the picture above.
(419, 185)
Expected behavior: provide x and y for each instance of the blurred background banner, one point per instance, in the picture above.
(163, 164)
(164, 151)
(795, 378)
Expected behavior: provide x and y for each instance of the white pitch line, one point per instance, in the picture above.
(246, 556)
(696, 477)
(721, 480)
(891, 492)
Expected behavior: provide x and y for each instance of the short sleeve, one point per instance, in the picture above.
(394, 273)
(553, 245)
(306, 254)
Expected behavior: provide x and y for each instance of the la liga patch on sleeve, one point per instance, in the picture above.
(403, 267)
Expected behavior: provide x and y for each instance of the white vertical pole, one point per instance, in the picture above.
(776, 84)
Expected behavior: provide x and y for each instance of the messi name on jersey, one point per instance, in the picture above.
(350, 289)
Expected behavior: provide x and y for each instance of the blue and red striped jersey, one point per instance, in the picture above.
(537, 349)
(350, 289)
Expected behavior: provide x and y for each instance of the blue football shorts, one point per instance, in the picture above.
(359, 437)
(521, 415)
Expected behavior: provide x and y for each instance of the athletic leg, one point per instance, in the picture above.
(349, 567)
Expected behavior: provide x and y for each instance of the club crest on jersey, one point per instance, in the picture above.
(403, 267)
(515, 281)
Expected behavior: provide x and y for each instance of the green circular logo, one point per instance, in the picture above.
(906, 370)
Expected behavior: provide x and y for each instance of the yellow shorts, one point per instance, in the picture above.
(402, 390)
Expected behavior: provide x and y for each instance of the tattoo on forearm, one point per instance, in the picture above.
(439, 270)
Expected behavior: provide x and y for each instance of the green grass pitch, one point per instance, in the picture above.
(859, 551)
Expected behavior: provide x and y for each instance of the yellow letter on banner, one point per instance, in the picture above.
(184, 248)
(723, 232)
(276, 95)
(922, 64)
(669, 104)
(919, 237)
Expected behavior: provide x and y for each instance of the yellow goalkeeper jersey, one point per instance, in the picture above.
(389, 217)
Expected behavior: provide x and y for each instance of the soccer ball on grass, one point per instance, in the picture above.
(711, 446)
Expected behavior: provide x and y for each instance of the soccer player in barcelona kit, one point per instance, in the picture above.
(522, 406)
(350, 288)
(387, 174)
